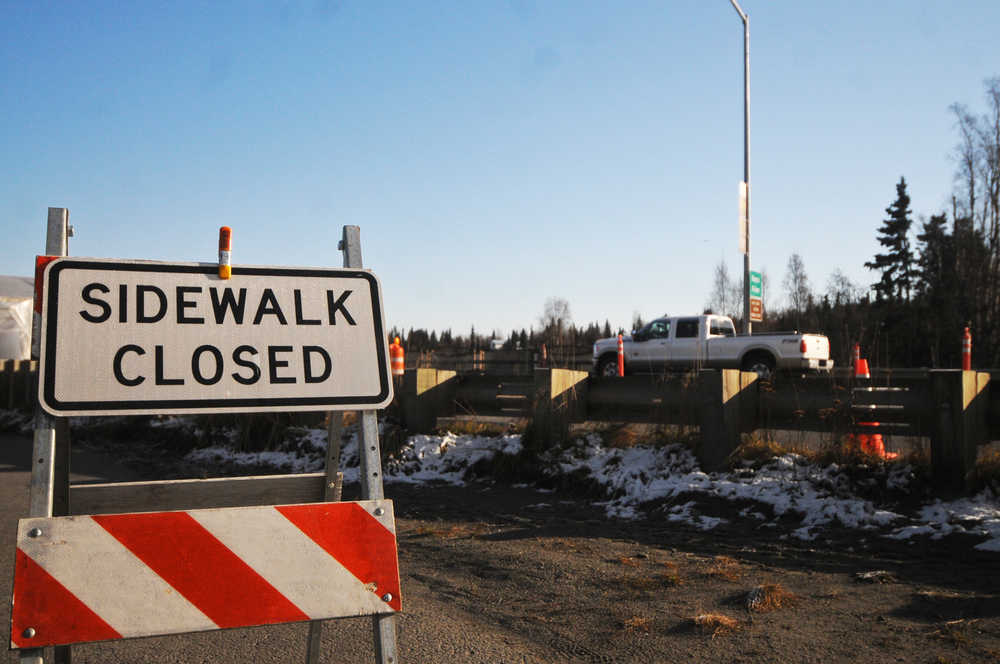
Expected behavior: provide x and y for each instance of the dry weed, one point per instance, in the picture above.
(758, 451)
(769, 597)
(654, 580)
(672, 576)
(716, 623)
(986, 473)
(447, 532)
(724, 567)
(955, 632)
(637, 625)
(623, 437)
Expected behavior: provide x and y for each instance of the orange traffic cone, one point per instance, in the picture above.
(861, 369)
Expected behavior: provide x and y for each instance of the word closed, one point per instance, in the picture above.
(146, 337)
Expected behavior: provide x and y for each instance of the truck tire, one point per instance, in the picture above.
(759, 363)
(608, 366)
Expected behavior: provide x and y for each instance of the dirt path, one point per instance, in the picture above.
(505, 574)
(553, 572)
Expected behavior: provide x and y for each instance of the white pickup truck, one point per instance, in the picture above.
(710, 342)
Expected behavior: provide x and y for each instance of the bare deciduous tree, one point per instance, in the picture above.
(726, 296)
(977, 207)
(840, 289)
(797, 286)
(555, 315)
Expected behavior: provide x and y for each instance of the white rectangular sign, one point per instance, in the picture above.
(744, 219)
(130, 337)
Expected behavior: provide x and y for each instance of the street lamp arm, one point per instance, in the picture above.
(740, 11)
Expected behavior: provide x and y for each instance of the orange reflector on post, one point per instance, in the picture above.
(966, 350)
(621, 356)
(40, 263)
(397, 358)
(225, 251)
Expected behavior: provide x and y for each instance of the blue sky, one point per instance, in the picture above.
(494, 154)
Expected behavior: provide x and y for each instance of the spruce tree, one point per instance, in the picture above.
(896, 264)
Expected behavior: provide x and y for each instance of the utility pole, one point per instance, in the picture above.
(745, 230)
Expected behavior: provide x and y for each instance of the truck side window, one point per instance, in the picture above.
(687, 328)
(659, 329)
(722, 329)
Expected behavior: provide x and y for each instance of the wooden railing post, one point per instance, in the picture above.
(728, 408)
(427, 394)
(958, 410)
(560, 398)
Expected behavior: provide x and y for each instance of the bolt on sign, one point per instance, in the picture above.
(112, 576)
(131, 337)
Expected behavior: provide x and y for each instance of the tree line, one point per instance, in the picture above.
(930, 279)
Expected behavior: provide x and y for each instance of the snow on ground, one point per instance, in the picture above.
(789, 484)
(976, 516)
(640, 479)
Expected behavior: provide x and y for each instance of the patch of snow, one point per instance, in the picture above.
(446, 458)
(979, 515)
(789, 484)
(808, 497)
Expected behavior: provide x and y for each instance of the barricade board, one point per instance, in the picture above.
(94, 578)
(131, 337)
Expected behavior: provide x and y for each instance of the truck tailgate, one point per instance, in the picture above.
(817, 347)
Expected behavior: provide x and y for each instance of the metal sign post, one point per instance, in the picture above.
(384, 626)
(45, 452)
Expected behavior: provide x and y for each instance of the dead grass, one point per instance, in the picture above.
(986, 473)
(650, 582)
(628, 435)
(770, 597)
(474, 426)
(671, 575)
(715, 623)
(758, 450)
(637, 625)
(724, 567)
(955, 632)
(656, 577)
(462, 531)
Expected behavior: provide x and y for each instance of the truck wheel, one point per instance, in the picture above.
(760, 364)
(608, 366)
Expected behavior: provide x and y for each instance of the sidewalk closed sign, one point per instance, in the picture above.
(131, 337)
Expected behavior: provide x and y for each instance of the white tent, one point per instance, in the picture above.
(16, 299)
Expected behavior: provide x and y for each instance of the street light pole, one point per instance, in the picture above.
(746, 162)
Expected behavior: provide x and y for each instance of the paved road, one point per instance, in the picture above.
(431, 629)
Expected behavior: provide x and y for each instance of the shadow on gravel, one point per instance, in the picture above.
(936, 606)
(527, 514)
(15, 452)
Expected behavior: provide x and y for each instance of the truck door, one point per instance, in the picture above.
(648, 350)
(685, 351)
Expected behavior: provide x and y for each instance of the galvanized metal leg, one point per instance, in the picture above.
(314, 641)
(32, 657)
(43, 461)
(60, 502)
(331, 492)
(383, 626)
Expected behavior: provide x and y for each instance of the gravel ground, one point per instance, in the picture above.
(494, 573)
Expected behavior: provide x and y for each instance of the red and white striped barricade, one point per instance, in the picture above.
(113, 576)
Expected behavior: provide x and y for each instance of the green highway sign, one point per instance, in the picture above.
(756, 285)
